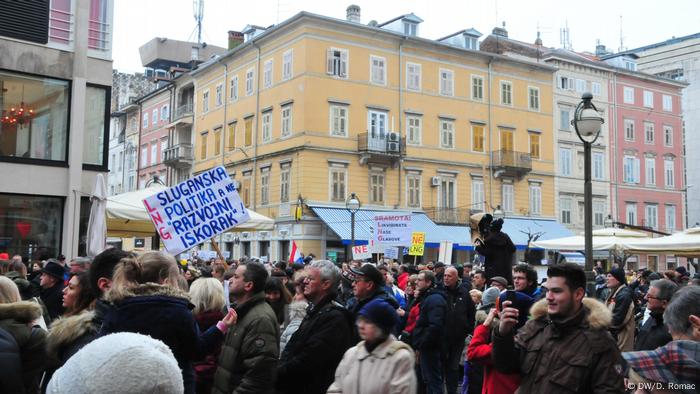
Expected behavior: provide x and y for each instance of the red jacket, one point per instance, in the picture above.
(402, 280)
(479, 351)
(412, 318)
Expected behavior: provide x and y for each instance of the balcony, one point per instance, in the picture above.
(380, 148)
(511, 163)
(450, 216)
(183, 115)
(179, 156)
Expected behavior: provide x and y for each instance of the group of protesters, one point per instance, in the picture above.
(147, 323)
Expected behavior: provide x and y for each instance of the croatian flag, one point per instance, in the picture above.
(295, 255)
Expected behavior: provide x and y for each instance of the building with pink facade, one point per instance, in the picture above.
(646, 153)
(153, 141)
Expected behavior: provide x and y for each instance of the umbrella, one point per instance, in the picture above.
(97, 227)
(684, 242)
(603, 239)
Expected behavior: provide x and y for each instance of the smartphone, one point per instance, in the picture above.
(510, 296)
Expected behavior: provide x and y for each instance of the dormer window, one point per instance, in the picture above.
(630, 65)
(471, 43)
(410, 28)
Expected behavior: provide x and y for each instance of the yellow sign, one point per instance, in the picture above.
(417, 244)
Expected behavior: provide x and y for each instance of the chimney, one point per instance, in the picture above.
(235, 38)
(600, 50)
(500, 31)
(353, 13)
(538, 41)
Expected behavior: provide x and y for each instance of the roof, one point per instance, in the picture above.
(517, 229)
(670, 41)
(409, 17)
(620, 54)
(471, 32)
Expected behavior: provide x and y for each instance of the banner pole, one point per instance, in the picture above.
(216, 248)
(415, 257)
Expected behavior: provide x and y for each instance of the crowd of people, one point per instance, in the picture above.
(147, 323)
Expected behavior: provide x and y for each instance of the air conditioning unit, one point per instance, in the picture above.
(393, 136)
(263, 234)
(394, 147)
(245, 235)
(435, 181)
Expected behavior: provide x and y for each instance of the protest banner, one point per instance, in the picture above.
(361, 252)
(391, 252)
(445, 254)
(417, 244)
(195, 210)
(392, 229)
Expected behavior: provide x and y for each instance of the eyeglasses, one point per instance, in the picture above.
(655, 298)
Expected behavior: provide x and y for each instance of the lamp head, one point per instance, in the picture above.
(353, 203)
(587, 121)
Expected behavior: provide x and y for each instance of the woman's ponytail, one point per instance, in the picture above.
(127, 274)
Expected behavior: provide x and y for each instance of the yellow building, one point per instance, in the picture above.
(314, 109)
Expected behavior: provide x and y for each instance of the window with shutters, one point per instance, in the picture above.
(629, 130)
(596, 89)
(287, 64)
(477, 88)
(565, 161)
(337, 183)
(205, 102)
(286, 129)
(669, 174)
(506, 93)
(478, 194)
(648, 99)
(249, 81)
(670, 216)
(446, 82)
(413, 76)
(285, 183)
(598, 213)
(447, 134)
(234, 88)
(477, 138)
(668, 136)
(648, 133)
(535, 199)
(652, 216)
(217, 141)
(565, 208)
(267, 73)
(339, 120)
(154, 117)
(219, 95)
(231, 136)
(564, 120)
(631, 213)
(267, 126)
(248, 132)
(628, 95)
(377, 66)
(376, 186)
(630, 168)
(413, 189)
(533, 98)
(413, 131)
(507, 197)
(650, 167)
(580, 85)
(337, 62)
(534, 145)
(265, 186)
(598, 166)
(203, 145)
(667, 103)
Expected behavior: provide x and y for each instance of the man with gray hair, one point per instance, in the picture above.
(653, 332)
(314, 351)
(79, 264)
(675, 366)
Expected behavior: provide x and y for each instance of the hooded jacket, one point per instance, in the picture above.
(576, 354)
(497, 250)
(429, 331)
(16, 319)
(164, 313)
(479, 352)
(67, 336)
(297, 312)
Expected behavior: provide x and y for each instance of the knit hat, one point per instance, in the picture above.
(489, 296)
(381, 314)
(123, 362)
(619, 274)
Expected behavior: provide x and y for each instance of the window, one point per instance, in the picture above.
(163, 147)
(631, 213)
(630, 65)
(580, 85)
(267, 74)
(648, 133)
(652, 215)
(477, 87)
(145, 120)
(566, 83)
(668, 136)
(217, 141)
(650, 174)
(506, 93)
(37, 219)
(376, 187)
(670, 218)
(203, 146)
(508, 197)
(630, 169)
(265, 186)
(565, 208)
(667, 103)
(628, 95)
(337, 180)
(286, 129)
(154, 153)
(447, 134)
(595, 89)
(337, 62)
(144, 156)
(154, 117)
(507, 139)
(413, 131)
(629, 130)
(231, 136)
(95, 129)
(478, 194)
(447, 195)
(446, 82)
(471, 43)
(533, 99)
(245, 188)
(413, 183)
(164, 113)
(648, 99)
(535, 199)
(121, 158)
(478, 138)
(248, 131)
(376, 124)
(205, 102)
(669, 173)
(413, 76)
(598, 166)
(377, 67)
(598, 213)
(287, 64)
(249, 83)
(339, 120)
(534, 145)
(410, 28)
(219, 95)
(564, 121)
(285, 183)
(565, 161)
(267, 126)
(234, 88)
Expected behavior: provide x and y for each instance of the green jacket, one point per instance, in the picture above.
(249, 355)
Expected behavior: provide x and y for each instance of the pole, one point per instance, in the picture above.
(216, 248)
(588, 217)
(352, 229)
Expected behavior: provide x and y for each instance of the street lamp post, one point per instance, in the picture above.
(587, 123)
(352, 204)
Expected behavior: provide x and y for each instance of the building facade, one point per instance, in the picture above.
(153, 136)
(55, 74)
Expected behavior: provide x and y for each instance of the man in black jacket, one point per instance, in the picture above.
(459, 322)
(312, 354)
(653, 332)
(498, 250)
(368, 284)
(51, 283)
(429, 331)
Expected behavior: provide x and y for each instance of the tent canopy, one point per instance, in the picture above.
(127, 216)
(603, 239)
(684, 242)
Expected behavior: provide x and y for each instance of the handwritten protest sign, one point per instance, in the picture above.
(417, 244)
(361, 252)
(391, 253)
(392, 229)
(195, 210)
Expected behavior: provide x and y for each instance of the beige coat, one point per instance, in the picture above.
(625, 333)
(388, 369)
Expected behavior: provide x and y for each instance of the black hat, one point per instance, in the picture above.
(54, 269)
(370, 272)
(619, 274)
(439, 264)
(497, 225)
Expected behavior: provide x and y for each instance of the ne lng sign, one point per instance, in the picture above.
(196, 210)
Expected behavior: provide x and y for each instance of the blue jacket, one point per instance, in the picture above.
(430, 327)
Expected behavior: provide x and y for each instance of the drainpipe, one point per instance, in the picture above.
(398, 187)
(613, 151)
(490, 136)
(224, 128)
(257, 120)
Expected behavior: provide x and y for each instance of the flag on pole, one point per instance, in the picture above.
(295, 255)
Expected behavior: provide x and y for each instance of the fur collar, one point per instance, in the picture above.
(68, 329)
(148, 289)
(598, 316)
(22, 311)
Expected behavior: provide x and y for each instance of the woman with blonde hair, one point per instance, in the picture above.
(207, 296)
(147, 300)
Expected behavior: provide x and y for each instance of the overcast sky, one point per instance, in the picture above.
(643, 21)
